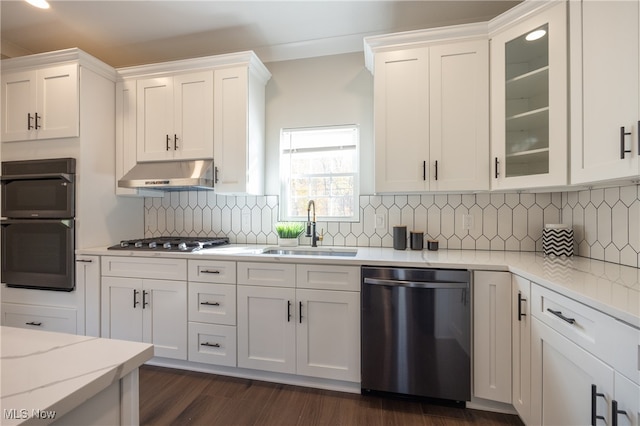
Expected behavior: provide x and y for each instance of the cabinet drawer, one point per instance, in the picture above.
(328, 277)
(46, 318)
(211, 271)
(603, 336)
(212, 344)
(145, 267)
(212, 303)
(266, 274)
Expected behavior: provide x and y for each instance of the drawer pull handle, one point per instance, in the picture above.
(37, 324)
(84, 260)
(135, 298)
(145, 293)
(288, 310)
(212, 345)
(210, 271)
(594, 410)
(520, 300)
(614, 409)
(210, 303)
(622, 137)
(562, 317)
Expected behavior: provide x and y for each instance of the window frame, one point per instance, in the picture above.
(285, 172)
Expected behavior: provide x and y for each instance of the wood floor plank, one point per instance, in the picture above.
(177, 397)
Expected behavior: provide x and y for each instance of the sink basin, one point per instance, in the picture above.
(310, 252)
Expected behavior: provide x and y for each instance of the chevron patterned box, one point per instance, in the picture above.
(557, 240)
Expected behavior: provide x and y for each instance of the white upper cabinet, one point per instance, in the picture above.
(605, 90)
(40, 104)
(175, 117)
(239, 131)
(431, 103)
(529, 97)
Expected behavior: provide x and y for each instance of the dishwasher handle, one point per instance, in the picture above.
(416, 284)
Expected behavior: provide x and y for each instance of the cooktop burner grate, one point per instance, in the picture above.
(169, 243)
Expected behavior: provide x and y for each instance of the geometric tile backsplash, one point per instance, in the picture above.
(606, 222)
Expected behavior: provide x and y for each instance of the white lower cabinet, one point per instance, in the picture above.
(146, 310)
(492, 335)
(521, 347)
(565, 379)
(212, 344)
(308, 332)
(626, 409)
(46, 318)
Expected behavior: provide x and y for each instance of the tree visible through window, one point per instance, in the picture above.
(320, 164)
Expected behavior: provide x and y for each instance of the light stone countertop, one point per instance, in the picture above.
(608, 287)
(57, 372)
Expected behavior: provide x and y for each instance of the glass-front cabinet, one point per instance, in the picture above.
(529, 99)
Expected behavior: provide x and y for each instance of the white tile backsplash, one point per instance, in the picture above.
(606, 222)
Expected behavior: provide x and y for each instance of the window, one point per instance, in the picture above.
(320, 164)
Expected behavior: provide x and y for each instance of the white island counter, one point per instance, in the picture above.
(68, 379)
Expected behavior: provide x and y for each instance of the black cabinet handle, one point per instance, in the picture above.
(622, 136)
(168, 139)
(594, 410)
(212, 345)
(436, 172)
(424, 170)
(520, 300)
(562, 317)
(37, 125)
(210, 303)
(37, 324)
(210, 271)
(175, 142)
(496, 164)
(135, 298)
(144, 298)
(29, 118)
(300, 312)
(84, 260)
(215, 175)
(615, 412)
(288, 310)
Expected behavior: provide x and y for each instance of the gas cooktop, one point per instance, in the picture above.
(171, 243)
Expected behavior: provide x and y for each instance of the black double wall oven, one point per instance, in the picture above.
(38, 224)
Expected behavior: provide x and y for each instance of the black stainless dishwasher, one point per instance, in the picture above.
(416, 332)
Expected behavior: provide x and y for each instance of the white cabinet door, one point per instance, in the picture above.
(58, 102)
(328, 334)
(88, 279)
(121, 308)
(155, 119)
(18, 105)
(605, 87)
(627, 402)
(193, 116)
(401, 120)
(529, 102)
(164, 310)
(266, 328)
(41, 104)
(492, 335)
(459, 116)
(521, 346)
(563, 377)
(231, 112)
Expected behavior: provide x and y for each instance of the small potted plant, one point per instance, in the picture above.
(288, 233)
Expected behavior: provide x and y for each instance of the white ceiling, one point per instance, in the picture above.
(124, 33)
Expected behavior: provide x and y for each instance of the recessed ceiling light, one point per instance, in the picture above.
(535, 35)
(41, 4)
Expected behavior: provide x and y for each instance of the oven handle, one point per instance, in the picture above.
(64, 222)
(40, 176)
(418, 284)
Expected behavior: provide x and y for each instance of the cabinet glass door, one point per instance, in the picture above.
(527, 104)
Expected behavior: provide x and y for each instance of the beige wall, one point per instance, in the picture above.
(321, 91)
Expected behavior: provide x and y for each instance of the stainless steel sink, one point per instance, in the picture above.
(309, 252)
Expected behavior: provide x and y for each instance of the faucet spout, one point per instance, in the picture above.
(311, 224)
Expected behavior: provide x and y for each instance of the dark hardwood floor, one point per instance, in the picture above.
(177, 397)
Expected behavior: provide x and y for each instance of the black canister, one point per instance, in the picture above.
(400, 237)
(417, 240)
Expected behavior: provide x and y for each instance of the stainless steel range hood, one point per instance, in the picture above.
(170, 175)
